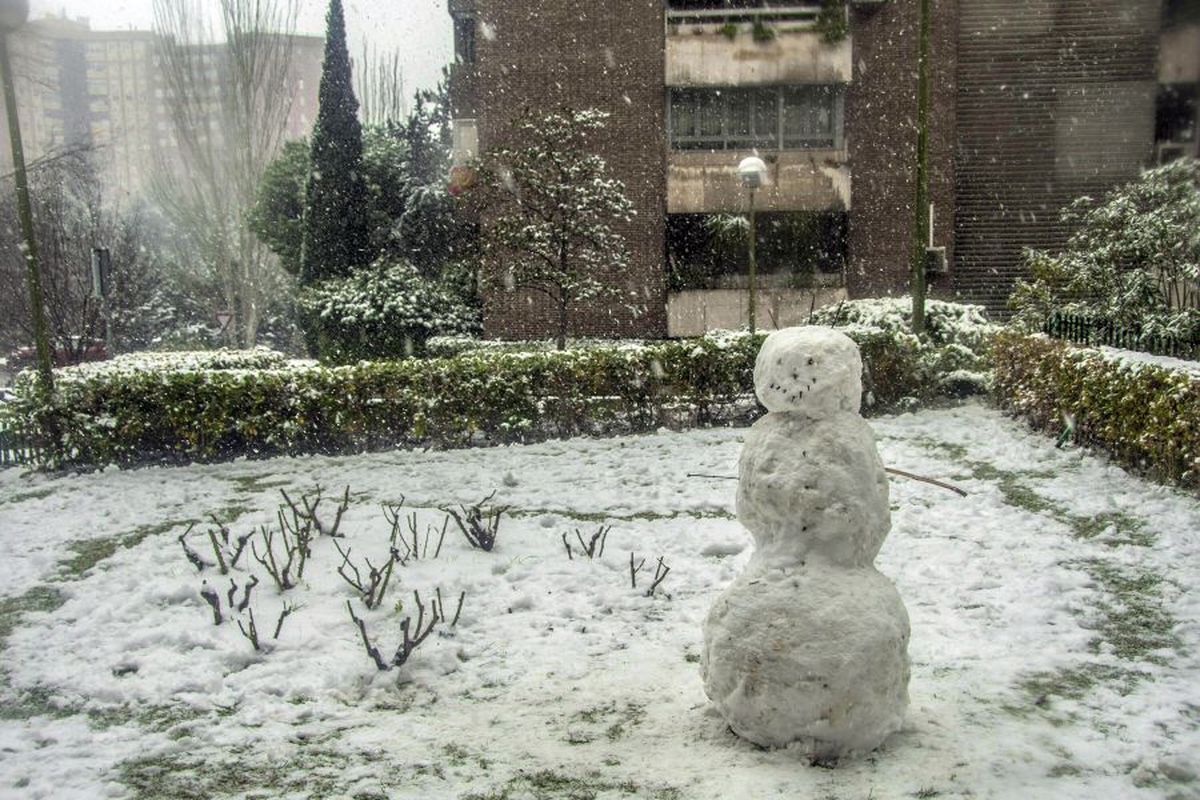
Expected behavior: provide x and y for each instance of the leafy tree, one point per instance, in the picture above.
(335, 237)
(410, 215)
(552, 209)
(277, 217)
(1133, 260)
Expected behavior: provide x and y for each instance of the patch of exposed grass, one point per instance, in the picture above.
(1132, 618)
(601, 516)
(550, 785)
(1114, 528)
(37, 701)
(1074, 683)
(457, 756)
(252, 484)
(39, 598)
(611, 720)
(29, 494)
(87, 553)
(314, 773)
(955, 451)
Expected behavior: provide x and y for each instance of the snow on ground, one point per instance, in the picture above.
(1055, 647)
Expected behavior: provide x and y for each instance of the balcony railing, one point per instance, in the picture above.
(697, 14)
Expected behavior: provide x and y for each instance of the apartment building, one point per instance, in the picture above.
(1034, 102)
(105, 90)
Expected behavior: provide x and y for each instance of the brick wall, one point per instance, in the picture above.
(1055, 101)
(881, 110)
(584, 54)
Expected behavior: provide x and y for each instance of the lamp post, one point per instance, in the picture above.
(753, 173)
(13, 14)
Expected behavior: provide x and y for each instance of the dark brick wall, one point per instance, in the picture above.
(1055, 100)
(580, 54)
(881, 112)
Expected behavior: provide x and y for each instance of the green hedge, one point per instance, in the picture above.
(141, 416)
(1146, 415)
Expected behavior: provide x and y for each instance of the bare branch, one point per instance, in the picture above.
(252, 633)
(210, 596)
(633, 571)
(660, 574)
(287, 611)
(191, 554)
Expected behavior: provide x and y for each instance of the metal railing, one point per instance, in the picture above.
(1087, 330)
(804, 12)
(15, 449)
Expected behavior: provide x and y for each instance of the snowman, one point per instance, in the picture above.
(808, 646)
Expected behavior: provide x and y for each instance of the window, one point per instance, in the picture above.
(464, 39)
(787, 117)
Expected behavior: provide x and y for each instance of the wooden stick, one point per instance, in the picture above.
(890, 470)
(932, 481)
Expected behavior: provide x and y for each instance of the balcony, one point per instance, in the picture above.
(706, 182)
(751, 45)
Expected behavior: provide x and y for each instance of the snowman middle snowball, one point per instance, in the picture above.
(809, 643)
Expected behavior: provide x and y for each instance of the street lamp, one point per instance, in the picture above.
(13, 14)
(753, 173)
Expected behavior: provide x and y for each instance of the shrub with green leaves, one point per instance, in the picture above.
(387, 310)
(136, 416)
(1133, 260)
(1145, 412)
(953, 358)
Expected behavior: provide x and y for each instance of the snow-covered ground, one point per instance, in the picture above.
(1055, 630)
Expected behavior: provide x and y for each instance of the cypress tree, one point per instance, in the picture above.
(336, 235)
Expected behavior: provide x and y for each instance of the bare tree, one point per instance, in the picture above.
(228, 95)
(379, 86)
(71, 216)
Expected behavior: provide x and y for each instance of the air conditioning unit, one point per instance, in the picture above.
(1167, 152)
(935, 261)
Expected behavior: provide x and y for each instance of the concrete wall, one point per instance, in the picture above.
(700, 181)
(1179, 55)
(702, 56)
(691, 313)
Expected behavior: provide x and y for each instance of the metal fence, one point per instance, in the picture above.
(1086, 330)
(15, 449)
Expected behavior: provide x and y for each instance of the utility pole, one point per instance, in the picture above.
(921, 211)
(752, 171)
(13, 14)
(753, 262)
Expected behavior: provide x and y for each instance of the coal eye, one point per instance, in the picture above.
(810, 362)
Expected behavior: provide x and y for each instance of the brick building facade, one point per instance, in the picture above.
(1033, 103)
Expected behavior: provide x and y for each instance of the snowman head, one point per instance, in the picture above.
(810, 369)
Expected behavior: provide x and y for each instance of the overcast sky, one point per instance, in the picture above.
(418, 29)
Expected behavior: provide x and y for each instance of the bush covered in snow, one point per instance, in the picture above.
(387, 310)
(449, 346)
(1142, 410)
(176, 361)
(1133, 260)
(953, 358)
(201, 406)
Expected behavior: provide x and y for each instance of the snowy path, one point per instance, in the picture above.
(1056, 631)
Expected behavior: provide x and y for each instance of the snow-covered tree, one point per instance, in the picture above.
(551, 209)
(1133, 260)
